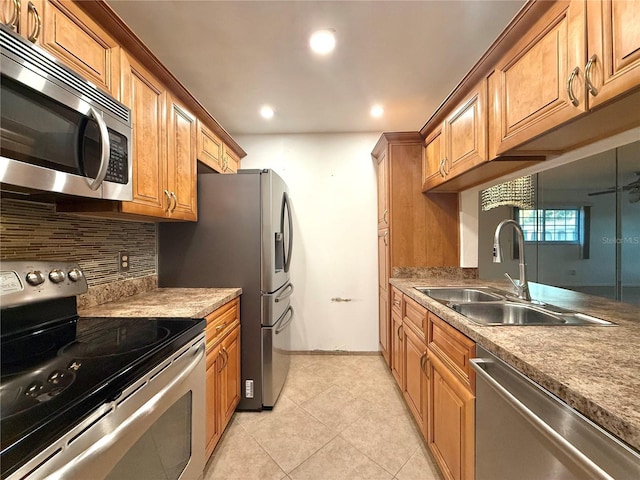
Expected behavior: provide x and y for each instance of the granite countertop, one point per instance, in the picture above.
(592, 368)
(166, 302)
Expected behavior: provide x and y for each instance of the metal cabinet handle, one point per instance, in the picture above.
(587, 75)
(220, 327)
(575, 102)
(423, 360)
(13, 23)
(175, 202)
(36, 32)
(441, 168)
(168, 195)
(384, 216)
(398, 332)
(385, 239)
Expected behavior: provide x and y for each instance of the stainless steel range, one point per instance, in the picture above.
(95, 397)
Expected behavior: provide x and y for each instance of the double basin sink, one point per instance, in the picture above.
(489, 306)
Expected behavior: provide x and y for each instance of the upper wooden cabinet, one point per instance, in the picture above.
(383, 190)
(460, 143)
(209, 148)
(230, 160)
(181, 162)
(613, 39)
(539, 82)
(65, 31)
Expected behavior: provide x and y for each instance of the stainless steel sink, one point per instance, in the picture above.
(460, 294)
(506, 313)
(514, 313)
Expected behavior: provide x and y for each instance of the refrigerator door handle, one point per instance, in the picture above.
(286, 205)
(280, 328)
(285, 293)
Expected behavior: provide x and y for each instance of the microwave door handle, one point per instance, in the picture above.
(106, 148)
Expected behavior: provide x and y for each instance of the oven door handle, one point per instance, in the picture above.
(88, 460)
(105, 151)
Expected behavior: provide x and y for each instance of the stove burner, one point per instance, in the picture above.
(114, 340)
(28, 390)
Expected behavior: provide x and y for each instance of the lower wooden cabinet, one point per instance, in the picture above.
(414, 386)
(397, 347)
(223, 370)
(450, 423)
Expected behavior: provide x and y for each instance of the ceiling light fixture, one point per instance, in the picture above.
(267, 112)
(377, 111)
(323, 42)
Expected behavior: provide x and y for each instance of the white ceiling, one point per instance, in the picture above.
(235, 56)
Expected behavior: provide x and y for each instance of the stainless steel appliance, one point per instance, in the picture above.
(243, 238)
(58, 132)
(99, 398)
(525, 432)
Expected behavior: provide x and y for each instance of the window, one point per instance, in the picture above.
(550, 225)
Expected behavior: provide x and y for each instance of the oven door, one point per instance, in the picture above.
(155, 429)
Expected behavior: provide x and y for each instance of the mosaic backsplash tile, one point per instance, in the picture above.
(30, 230)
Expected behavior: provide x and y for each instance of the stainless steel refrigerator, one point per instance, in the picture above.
(243, 238)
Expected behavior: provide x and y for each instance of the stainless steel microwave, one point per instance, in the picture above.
(58, 132)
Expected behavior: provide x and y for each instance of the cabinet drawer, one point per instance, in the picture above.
(416, 315)
(396, 300)
(453, 348)
(222, 321)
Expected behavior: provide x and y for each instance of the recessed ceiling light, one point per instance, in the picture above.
(323, 41)
(267, 112)
(377, 111)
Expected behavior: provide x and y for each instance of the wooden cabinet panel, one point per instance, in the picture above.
(433, 171)
(384, 327)
(397, 348)
(209, 148)
(230, 161)
(74, 38)
(396, 300)
(465, 132)
(415, 315)
(383, 259)
(452, 347)
(212, 417)
(450, 433)
(613, 35)
(414, 385)
(230, 375)
(533, 79)
(146, 98)
(220, 322)
(181, 162)
(383, 191)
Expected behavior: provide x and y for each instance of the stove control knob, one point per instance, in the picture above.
(56, 377)
(74, 274)
(35, 278)
(56, 276)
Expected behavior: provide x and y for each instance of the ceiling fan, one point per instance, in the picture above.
(633, 188)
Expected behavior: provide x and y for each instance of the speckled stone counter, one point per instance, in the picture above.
(166, 302)
(594, 369)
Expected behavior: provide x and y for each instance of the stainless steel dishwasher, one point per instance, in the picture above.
(525, 432)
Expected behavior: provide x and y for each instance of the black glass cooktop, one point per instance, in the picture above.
(52, 379)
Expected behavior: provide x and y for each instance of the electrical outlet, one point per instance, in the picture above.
(124, 261)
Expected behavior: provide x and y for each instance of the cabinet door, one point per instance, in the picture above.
(383, 191)
(146, 97)
(433, 172)
(383, 258)
(209, 148)
(74, 38)
(212, 421)
(181, 162)
(229, 376)
(450, 433)
(465, 133)
(536, 83)
(397, 348)
(613, 33)
(383, 324)
(414, 386)
(230, 161)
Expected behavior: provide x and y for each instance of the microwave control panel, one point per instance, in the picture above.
(118, 171)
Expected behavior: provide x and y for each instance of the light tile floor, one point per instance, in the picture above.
(338, 417)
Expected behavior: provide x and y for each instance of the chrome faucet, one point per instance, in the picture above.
(522, 287)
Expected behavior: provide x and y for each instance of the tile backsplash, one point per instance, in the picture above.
(30, 230)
